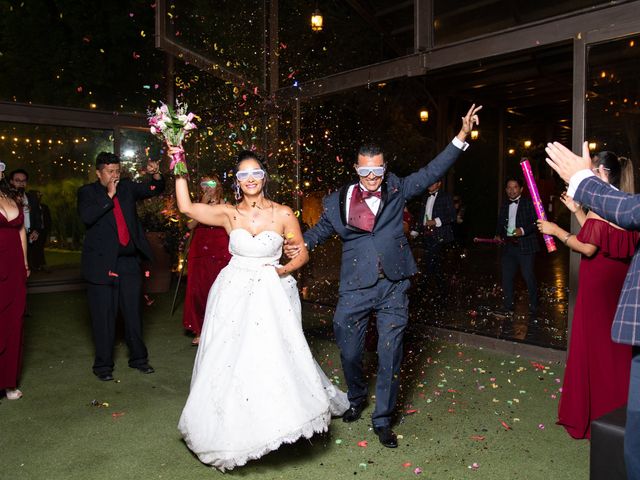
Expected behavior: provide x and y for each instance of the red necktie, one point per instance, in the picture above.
(121, 224)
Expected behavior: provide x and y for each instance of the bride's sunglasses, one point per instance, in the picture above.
(256, 173)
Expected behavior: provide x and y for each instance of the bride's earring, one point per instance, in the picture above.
(236, 191)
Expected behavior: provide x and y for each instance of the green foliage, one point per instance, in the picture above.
(61, 197)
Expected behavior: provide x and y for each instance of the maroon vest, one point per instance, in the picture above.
(360, 215)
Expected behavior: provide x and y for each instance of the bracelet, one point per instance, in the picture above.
(566, 239)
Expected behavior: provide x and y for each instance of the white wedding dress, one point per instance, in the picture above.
(255, 384)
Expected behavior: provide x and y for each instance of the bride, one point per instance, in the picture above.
(255, 384)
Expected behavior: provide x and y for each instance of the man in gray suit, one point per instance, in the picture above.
(376, 265)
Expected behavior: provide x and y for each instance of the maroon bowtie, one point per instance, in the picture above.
(366, 194)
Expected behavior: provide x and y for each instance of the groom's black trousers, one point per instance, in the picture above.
(389, 301)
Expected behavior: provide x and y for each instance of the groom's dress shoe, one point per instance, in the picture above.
(105, 377)
(145, 368)
(386, 436)
(353, 413)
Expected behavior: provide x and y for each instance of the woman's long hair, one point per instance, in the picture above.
(619, 169)
(242, 156)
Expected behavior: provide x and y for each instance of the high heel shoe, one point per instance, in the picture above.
(195, 341)
(13, 393)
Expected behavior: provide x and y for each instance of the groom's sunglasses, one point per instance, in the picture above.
(256, 173)
(366, 171)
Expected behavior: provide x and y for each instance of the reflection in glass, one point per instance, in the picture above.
(59, 160)
(613, 98)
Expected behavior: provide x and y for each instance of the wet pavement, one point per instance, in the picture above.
(470, 295)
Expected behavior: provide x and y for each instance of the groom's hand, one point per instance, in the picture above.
(469, 121)
(291, 250)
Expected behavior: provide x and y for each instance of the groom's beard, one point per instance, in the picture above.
(20, 190)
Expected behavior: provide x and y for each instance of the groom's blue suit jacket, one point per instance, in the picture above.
(386, 247)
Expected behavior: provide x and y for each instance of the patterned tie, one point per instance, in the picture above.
(121, 224)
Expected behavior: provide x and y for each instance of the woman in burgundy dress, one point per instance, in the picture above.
(13, 287)
(596, 379)
(208, 254)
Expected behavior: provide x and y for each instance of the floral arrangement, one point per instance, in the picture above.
(172, 126)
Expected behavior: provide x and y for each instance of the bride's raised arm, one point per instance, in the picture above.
(292, 234)
(207, 214)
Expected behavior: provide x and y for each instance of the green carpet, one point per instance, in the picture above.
(461, 406)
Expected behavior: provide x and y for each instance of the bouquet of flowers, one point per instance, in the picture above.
(172, 126)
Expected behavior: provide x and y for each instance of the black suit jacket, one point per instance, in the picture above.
(101, 245)
(525, 219)
(444, 210)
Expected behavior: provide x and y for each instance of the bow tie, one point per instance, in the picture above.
(366, 194)
(433, 194)
(513, 201)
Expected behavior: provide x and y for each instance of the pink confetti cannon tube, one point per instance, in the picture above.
(537, 203)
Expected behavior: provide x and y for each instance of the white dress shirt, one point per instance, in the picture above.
(25, 209)
(513, 210)
(372, 202)
(576, 179)
(428, 211)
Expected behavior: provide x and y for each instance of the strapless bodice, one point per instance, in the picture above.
(261, 249)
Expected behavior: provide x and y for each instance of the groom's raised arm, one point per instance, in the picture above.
(417, 183)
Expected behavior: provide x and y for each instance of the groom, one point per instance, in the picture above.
(376, 266)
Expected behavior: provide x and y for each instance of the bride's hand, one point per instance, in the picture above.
(282, 271)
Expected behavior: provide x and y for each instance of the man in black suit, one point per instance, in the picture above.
(32, 215)
(113, 248)
(435, 223)
(517, 228)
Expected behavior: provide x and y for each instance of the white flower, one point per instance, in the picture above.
(154, 130)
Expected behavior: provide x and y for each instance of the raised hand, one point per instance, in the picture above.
(565, 162)
(572, 205)
(469, 121)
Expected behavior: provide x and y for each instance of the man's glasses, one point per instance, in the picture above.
(208, 183)
(256, 173)
(366, 171)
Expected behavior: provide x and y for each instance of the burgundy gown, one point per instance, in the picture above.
(208, 254)
(596, 379)
(13, 295)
